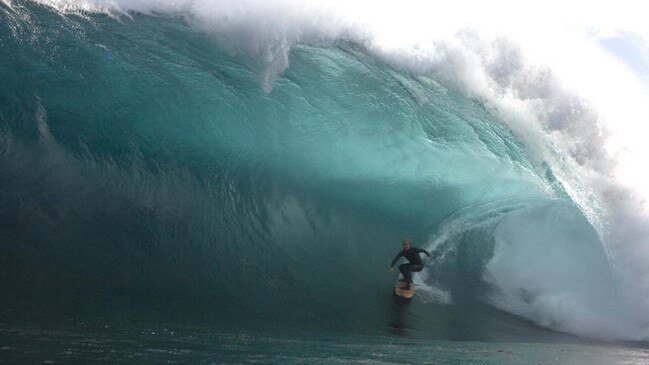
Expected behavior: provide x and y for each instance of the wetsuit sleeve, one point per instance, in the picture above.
(396, 258)
(423, 251)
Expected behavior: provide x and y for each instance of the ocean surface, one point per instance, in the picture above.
(183, 187)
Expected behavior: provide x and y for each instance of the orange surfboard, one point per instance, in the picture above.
(404, 293)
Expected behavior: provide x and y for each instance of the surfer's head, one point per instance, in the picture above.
(405, 244)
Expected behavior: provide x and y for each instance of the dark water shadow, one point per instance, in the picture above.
(398, 316)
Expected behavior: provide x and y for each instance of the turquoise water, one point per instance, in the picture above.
(106, 343)
(146, 174)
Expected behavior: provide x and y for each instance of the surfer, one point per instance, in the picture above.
(414, 262)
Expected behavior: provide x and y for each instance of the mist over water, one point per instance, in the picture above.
(263, 161)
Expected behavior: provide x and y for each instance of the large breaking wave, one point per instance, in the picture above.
(265, 160)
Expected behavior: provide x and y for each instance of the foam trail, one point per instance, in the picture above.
(430, 293)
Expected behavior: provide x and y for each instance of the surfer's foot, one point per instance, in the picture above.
(406, 287)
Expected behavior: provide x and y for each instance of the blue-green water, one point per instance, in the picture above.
(146, 175)
(106, 343)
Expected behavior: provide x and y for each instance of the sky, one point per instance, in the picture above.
(633, 51)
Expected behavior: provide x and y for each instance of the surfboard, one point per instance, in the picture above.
(404, 293)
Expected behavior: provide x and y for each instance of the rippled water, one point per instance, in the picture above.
(108, 343)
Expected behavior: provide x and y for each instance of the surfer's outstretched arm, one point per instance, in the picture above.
(423, 251)
(396, 258)
(434, 254)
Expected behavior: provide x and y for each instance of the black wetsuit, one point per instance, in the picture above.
(414, 264)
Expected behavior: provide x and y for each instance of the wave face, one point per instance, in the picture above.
(146, 165)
